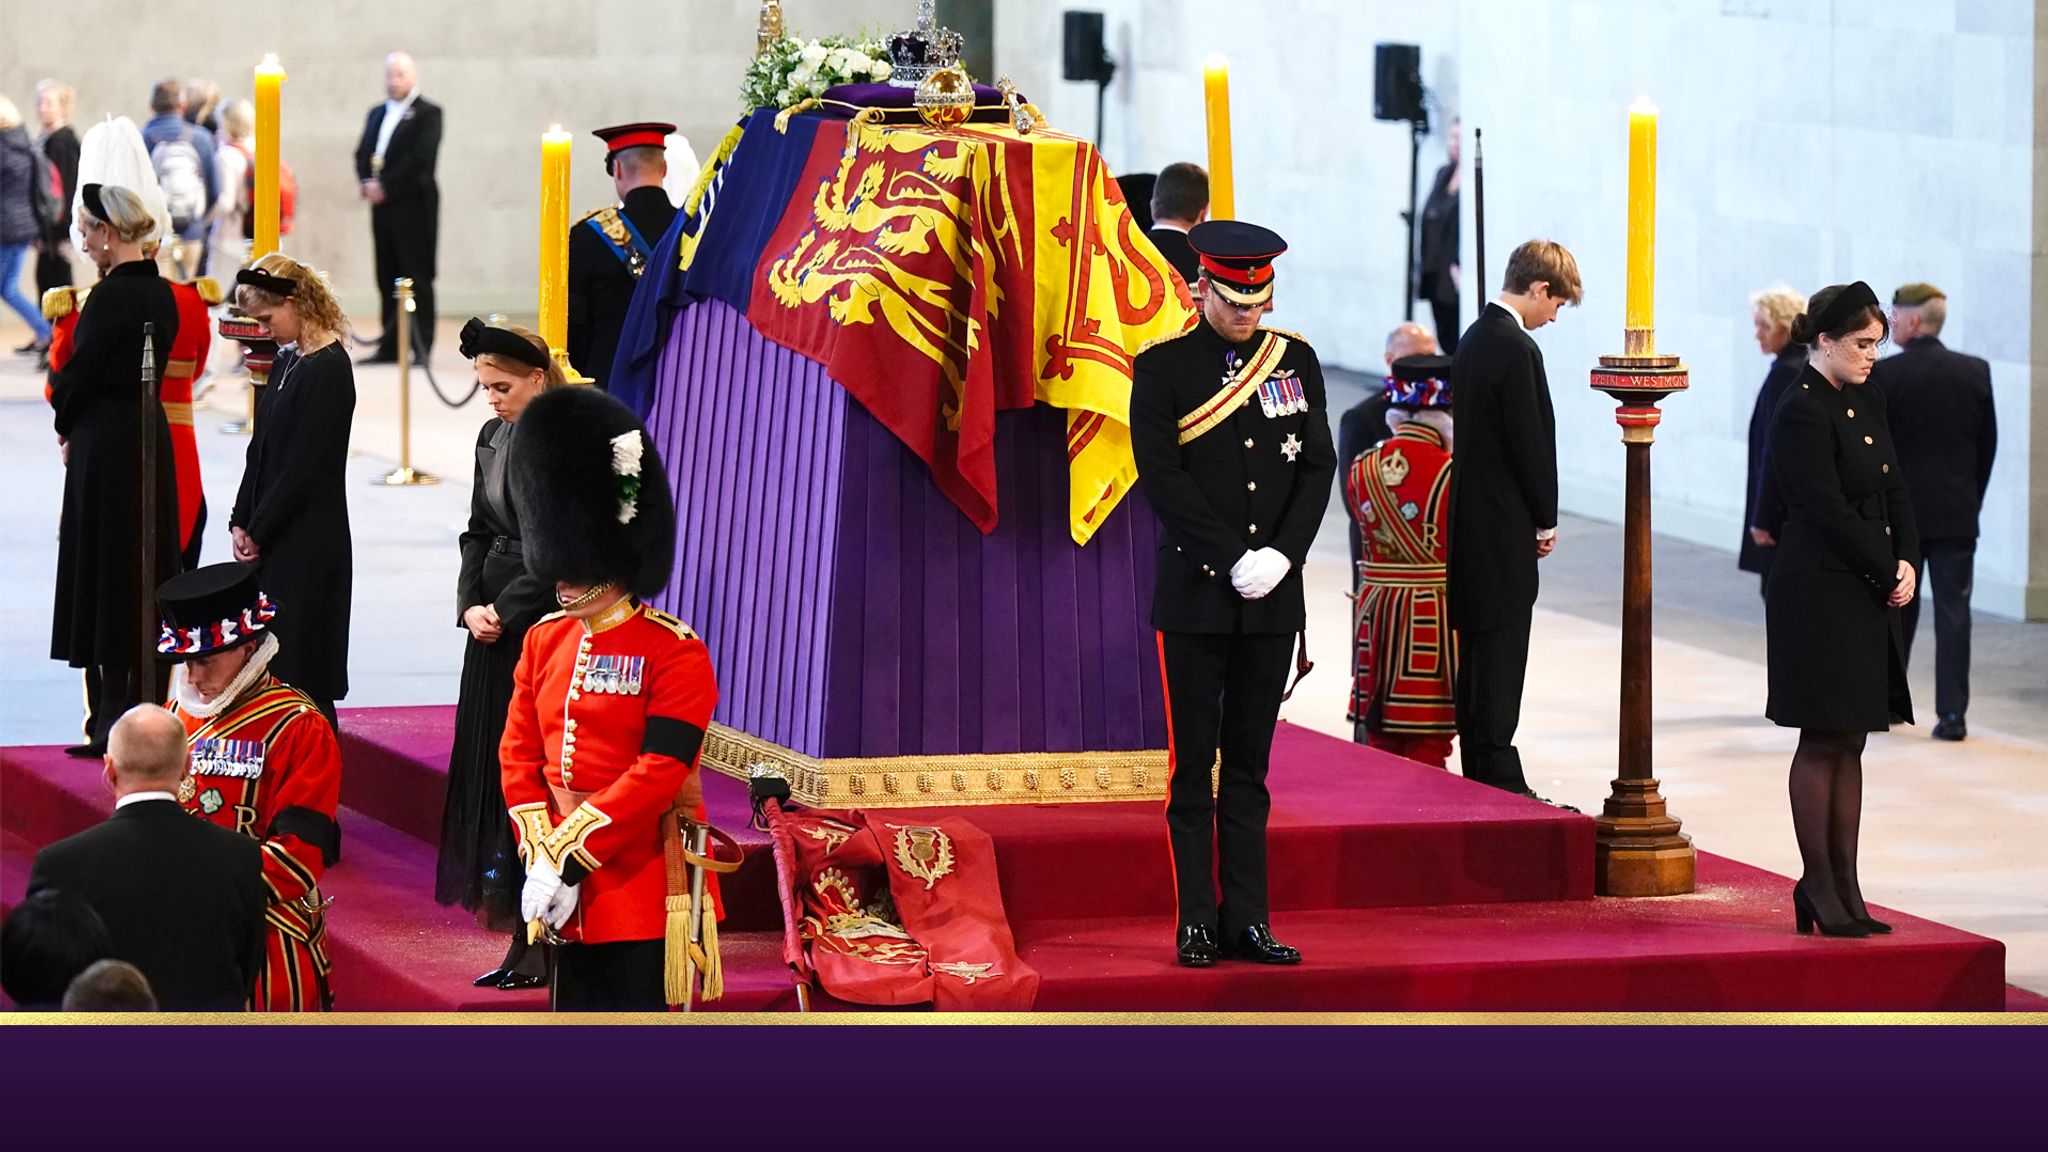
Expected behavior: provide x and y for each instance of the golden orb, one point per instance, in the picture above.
(946, 97)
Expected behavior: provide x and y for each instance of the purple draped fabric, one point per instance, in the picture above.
(851, 610)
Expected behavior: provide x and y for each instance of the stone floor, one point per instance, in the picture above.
(1948, 830)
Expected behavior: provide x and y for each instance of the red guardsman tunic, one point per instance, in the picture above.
(1402, 687)
(187, 358)
(601, 743)
(269, 767)
(181, 371)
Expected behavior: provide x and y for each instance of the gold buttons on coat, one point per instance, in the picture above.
(1251, 485)
(1869, 440)
(1852, 413)
(1887, 469)
(1249, 443)
(1255, 529)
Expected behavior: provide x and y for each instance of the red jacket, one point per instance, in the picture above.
(617, 711)
(269, 767)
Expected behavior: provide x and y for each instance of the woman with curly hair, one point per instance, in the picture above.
(291, 515)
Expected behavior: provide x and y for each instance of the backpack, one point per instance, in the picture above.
(178, 173)
(287, 194)
(46, 195)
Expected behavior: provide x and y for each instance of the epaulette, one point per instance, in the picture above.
(61, 302)
(1297, 337)
(556, 615)
(208, 289)
(596, 212)
(683, 631)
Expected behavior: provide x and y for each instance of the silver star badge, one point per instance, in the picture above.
(1290, 447)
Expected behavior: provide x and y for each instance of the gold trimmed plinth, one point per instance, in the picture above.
(942, 781)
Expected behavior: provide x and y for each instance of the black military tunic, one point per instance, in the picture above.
(1260, 478)
(602, 275)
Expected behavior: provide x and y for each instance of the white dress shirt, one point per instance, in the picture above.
(394, 111)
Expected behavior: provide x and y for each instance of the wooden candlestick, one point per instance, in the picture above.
(1638, 849)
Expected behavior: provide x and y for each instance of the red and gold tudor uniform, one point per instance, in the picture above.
(268, 766)
(1401, 691)
(601, 743)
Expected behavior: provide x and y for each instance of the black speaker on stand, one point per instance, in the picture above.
(1086, 59)
(1397, 95)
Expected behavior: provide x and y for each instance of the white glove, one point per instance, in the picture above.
(562, 906)
(543, 884)
(1238, 570)
(1261, 572)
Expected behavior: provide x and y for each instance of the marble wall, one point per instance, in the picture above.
(1886, 140)
(1311, 161)
(501, 70)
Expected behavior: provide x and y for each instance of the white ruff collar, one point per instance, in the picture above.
(188, 700)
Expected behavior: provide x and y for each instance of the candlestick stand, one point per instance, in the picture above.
(1638, 849)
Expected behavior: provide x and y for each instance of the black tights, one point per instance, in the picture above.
(1827, 812)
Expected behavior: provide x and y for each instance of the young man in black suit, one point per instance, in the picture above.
(395, 163)
(1180, 200)
(1232, 439)
(183, 899)
(1946, 430)
(1503, 503)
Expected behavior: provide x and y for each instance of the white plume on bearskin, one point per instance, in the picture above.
(112, 153)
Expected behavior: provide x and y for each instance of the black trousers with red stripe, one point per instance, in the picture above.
(1223, 693)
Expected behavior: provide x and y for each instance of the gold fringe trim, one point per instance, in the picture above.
(942, 781)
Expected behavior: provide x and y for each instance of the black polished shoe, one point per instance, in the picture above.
(1197, 946)
(517, 981)
(1805, 918)
(87, 751)
(1951, 727)
(1256, 944)
(490, 979)
(1547, 800)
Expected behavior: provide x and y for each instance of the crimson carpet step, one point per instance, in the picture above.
(1352, 827)
(395, 770)
(392, 947)
(1728, 947)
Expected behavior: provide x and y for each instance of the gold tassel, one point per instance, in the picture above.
(708, 964)
(675, 946)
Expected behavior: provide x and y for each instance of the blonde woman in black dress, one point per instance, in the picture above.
(496, 602)
(1846, 564)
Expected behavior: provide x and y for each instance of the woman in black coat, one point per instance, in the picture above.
(497, 601)
(1846, 563)
(291, 514)
(100, 424)
(1763, 512)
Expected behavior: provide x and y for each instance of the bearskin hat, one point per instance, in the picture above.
(592, 499)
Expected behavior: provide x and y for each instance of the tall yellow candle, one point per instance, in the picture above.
(265, 207)
(1216, 97)
(554, 238)
(1642, 216)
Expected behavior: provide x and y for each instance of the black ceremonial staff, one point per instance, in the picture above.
(1479, 209)
(144, 683)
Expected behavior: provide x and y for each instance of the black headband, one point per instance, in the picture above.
(479, 338)
(89, 195)
(279, 286)
(1848, 302)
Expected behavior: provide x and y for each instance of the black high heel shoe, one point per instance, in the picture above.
(1877, 927)
(1805, 919)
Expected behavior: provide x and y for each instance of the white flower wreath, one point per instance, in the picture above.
(626, 450)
